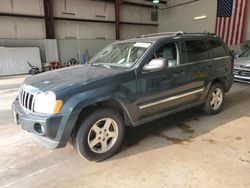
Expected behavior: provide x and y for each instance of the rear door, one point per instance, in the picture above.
(220, 57)
(197, 65)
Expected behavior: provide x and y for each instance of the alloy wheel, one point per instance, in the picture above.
(217, 98)
(103, 135)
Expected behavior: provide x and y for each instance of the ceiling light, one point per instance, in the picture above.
(156, 1)
(200, 17)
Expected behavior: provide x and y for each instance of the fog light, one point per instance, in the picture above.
(39, 129)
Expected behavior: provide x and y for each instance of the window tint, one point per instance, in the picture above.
(169, 52)
(196, 50)
(217, 48)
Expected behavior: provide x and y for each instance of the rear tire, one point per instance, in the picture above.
(100, 135)
(215, 99)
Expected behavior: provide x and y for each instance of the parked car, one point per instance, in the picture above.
(242, 67)
(128, 83)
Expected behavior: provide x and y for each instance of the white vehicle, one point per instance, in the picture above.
(242, 67)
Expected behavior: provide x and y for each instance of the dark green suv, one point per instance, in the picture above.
(128, 83)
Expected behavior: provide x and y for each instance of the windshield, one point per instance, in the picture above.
(246, 53)
(120, 55)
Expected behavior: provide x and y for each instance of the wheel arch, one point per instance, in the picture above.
(223, 81)
(113, 104)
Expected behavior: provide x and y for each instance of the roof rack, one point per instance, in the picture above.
(172, 34)
(163, 34)
(201, 33)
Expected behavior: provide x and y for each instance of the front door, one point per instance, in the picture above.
(163, 89)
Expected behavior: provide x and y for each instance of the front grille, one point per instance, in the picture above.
(236, 71)
(244, 73)
(27, 99)
(241, 72)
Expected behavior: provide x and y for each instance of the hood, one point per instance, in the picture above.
(242, 62)
(66, 77)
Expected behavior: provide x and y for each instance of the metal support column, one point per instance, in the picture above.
(49, 19)
(117, 19)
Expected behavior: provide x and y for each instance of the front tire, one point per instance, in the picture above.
(100, 135)
(215, 99)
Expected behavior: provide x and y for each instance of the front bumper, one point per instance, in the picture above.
(244, 79)
(45, 128)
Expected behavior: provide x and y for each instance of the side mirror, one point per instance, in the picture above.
(155, 65)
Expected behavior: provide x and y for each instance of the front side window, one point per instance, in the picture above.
(196, 50)
(120, 55)
(217, 48)
(170, 53)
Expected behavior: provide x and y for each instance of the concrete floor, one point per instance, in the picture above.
(188, 149)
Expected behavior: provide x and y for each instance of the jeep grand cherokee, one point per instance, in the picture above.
(128, 83)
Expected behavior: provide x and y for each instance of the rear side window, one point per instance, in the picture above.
(196, 50)
(217, 48)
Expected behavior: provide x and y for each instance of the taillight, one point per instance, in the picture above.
(232, 56)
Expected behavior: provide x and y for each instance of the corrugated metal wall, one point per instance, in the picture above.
(72, 48)
(51, 50)
(62, 50)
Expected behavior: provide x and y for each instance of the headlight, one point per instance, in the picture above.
(46, 103)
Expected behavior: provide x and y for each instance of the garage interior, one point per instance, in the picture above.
(187, 149)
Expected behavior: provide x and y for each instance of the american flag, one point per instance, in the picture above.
(231, 20)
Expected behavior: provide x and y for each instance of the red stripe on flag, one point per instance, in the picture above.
(244, 22)
(228, 30)
(234, 21)
(218, 27)
(224, 28)
(238, 25)
(219, 24)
